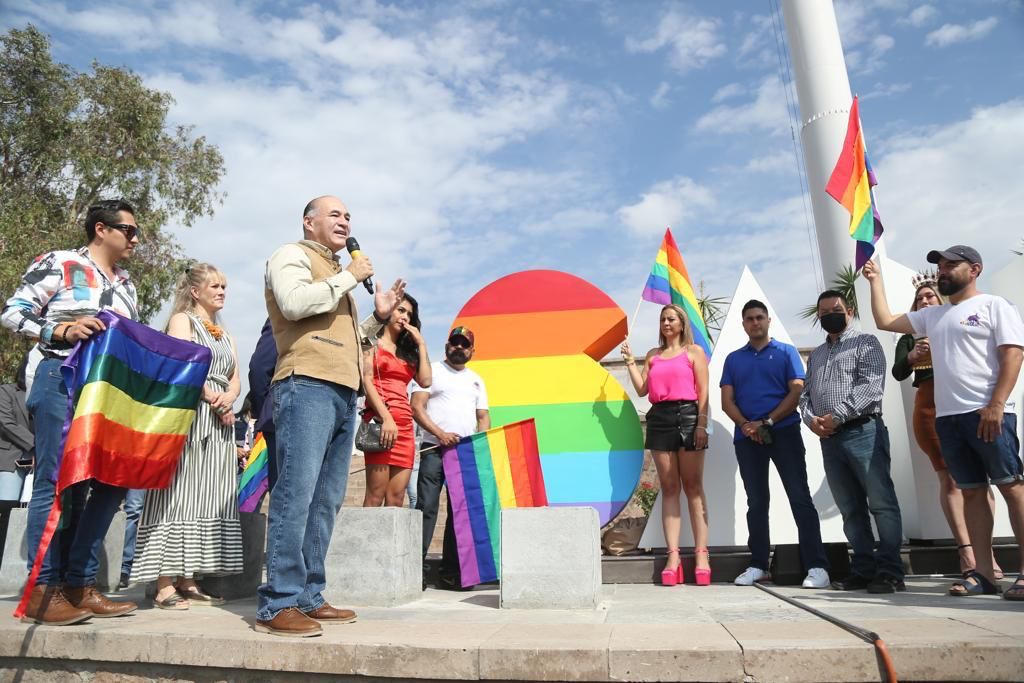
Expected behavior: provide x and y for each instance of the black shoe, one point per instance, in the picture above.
(448, 582)
(123, 583)
(851, 583)
(886, 584)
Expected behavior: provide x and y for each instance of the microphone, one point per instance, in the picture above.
(353, 249)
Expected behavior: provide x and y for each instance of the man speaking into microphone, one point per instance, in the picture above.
(313, 316)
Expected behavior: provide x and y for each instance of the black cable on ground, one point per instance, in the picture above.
(862, 633)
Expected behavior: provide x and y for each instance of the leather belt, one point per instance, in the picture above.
(857, 421)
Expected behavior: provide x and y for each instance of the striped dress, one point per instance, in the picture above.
(192, 527)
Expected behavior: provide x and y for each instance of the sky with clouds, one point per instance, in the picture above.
(475, 139)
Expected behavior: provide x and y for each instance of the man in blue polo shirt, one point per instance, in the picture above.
(761, 385)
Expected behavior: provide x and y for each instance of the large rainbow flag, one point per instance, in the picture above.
(253, 482)
(485, 474)
(132, 397)
(850, 184)
(669, 283)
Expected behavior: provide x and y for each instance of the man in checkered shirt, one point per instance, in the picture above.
(842, 404)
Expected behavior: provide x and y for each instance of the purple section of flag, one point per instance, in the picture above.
(656, 296)
(250, 503)
(460, 518)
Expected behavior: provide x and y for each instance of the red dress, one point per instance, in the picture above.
(391, 377)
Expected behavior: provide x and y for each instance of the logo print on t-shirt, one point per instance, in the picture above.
(972, 321)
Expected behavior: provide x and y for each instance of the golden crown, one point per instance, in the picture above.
(925, 277)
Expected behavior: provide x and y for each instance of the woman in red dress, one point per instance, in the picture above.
(399, 356)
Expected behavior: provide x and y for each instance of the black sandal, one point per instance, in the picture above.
(1016, 591)
(980, 586)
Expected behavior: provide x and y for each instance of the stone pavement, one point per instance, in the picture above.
(638, 633)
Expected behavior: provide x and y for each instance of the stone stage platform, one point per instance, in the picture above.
(637, 633)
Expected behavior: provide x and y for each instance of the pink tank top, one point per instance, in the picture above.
(671, 380)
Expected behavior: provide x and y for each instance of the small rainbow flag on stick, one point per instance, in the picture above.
(253, 482)
(850, 184)
(132, 397)
(669, 283)
(487, 473)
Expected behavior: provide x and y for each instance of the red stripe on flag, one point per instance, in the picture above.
(517, 465)
(844, 178)
(528, 435)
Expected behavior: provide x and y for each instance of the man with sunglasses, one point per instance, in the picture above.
(57, 303)
(454, 406)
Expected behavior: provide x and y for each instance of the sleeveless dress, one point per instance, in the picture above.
(391, 377)
(192, 527)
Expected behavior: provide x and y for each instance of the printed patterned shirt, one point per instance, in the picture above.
(845, 378)
(61, 286)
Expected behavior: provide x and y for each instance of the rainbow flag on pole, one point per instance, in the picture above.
(669, 283)
(487, 473)
(850, 184)
(132, 397)
(253, 482)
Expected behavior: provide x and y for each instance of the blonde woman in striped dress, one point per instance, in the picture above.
(192, 527)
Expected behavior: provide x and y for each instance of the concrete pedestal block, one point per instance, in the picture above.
(254, 545)
(550, 558)
(374, 557)
(13, 571)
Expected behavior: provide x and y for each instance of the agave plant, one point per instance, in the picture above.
(844, 284)
(712, 309)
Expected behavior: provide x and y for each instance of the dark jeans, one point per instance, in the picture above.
(90, 506)
(857, 469)
(428, 498)
(133, 503)
(787, 452)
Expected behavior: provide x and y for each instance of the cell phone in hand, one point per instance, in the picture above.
(766, 434)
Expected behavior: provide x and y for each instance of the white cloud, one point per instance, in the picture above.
(920, 16)
(672, 202)
(955, 184)
(869, 56)
(779, 162)
(951, 34)
(886, 90)
(766, 112)
(693, 41)
(728, 91)
(659, 98)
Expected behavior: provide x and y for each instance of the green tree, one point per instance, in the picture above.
(70, 138)
(844, 283)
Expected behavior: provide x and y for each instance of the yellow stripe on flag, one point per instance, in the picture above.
(119, 407)
(502, 471)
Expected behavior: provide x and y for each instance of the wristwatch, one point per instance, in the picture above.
(769, 421)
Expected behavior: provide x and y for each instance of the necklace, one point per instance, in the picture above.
(215, 330)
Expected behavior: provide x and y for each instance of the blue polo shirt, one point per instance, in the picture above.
(760, 380)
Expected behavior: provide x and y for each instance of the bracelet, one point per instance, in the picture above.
(699, 427)
(64, 333)
(378, 318)
(629, 359)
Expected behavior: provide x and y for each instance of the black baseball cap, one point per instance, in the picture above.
(957, 252)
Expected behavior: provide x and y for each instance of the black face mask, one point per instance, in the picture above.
(833, 323)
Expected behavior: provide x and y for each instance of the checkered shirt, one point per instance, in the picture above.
(845, 378)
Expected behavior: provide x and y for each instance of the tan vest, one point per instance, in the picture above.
(324, 346)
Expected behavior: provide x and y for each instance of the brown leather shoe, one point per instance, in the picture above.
(89, 598)
(47, 605)
(290, 622)
(332, 615)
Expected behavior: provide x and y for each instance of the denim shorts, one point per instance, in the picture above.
(973, 463)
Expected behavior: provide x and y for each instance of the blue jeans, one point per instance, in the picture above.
(133, 502)
(414, 477)
(315, 423)
(787, 452)
(857, 469)
(90, 506)
(972, 462)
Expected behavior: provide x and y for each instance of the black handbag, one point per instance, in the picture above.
(368, 432)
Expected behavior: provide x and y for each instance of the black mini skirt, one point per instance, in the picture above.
(671, 426)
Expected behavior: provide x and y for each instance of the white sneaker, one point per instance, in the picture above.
(751, 576)
(816, 578)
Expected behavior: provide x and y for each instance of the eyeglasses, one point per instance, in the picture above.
(130, 231)
(460, 343)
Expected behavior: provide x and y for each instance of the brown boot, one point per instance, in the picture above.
(47, 605)
(332, 615)
(290, 622)
(87, 597)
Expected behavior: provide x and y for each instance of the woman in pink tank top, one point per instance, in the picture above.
(675, 377)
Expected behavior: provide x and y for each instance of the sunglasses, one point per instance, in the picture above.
(460, 343)
(130, 231)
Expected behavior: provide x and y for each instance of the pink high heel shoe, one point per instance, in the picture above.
(702, 576)
(672, 577)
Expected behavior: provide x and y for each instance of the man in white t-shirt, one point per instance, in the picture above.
(977, 346)
(454, 406)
